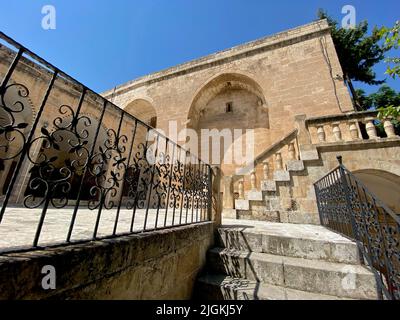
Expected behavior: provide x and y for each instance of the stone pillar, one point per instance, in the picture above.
(337, 133)
(303, 135)
(216, 205)
(389, 128)
(278, 162)
(228, 200)
(241, 189)
(265, 170)
(371, 130)
(354, 131)
(292, 151)
(253, 180)
(321, 133)
(307, 151)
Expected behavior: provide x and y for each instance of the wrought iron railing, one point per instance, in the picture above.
(346, 206)
(75, 167)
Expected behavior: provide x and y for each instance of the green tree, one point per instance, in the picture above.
(391, 42)
(385, 96)
(358, 52)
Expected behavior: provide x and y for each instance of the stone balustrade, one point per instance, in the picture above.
(267, 171)
(349, 127)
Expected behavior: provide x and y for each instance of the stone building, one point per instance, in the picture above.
(271, 116)
(275, 85)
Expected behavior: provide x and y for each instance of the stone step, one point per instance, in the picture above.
(259, 213)
(285, 239)
(222, 287)
(321, 277)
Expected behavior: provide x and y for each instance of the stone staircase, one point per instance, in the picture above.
(272, 199)
(259, 260)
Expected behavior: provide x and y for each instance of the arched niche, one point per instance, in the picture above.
(230, 101)
(235, 89)
(143, 110)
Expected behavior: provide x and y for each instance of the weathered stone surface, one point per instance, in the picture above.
(156, 265)
(242, 204)
(268, 185)
(295, 165)
(296, 273)
(259, 214)
(307, 155)
(229, 213)
(293, 240)
(282, 176)
(254, 195)
(222, 287)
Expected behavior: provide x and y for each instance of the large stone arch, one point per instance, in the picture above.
(385, 185)
(217, 83)
(144, 110)
(229, 101)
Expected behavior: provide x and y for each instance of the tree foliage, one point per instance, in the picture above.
(358, 52)
(391, 41)
(384, 97)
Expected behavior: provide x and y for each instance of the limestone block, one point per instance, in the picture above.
(268, 185)
(308, 153)
(229, 213)
(273, 204)
(254, 195)
(242, 204)
(295, 165)
(282, 176)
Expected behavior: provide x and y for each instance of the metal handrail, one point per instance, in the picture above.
(347, 206)
(118, 171)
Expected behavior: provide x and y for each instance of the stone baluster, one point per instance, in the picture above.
(253, 180)
(354, 130)
(337, 133)
(241, 189)
(389, 128)
(321, 133)
(370, 128)
(278, 162)
(265, 170)
(292, 151)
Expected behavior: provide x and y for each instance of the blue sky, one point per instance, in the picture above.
(104, 43)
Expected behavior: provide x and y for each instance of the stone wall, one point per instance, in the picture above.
(157, 265)
(290, 73)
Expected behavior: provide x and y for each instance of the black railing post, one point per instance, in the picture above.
(346, 191)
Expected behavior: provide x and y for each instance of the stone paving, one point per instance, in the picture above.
(19, 225)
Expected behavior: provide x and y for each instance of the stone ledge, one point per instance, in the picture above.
(295, 165)
(349, 145)
(254, 195)
(78, 267)
(282, 176)
(242, 204)
(268, 185)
